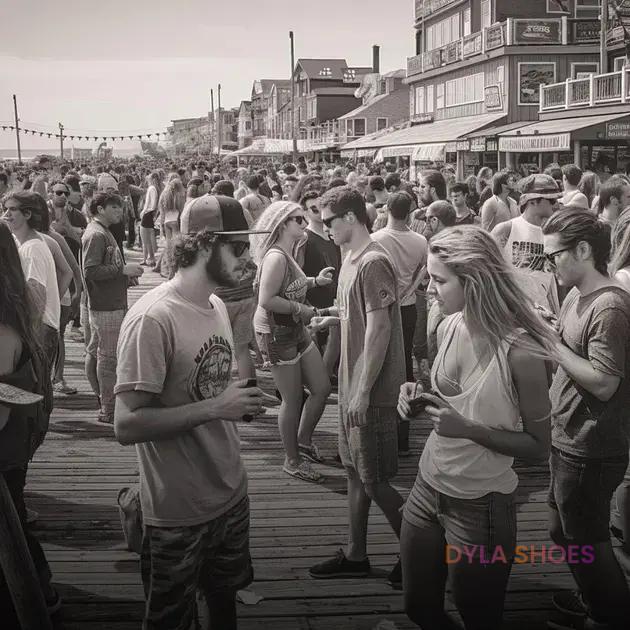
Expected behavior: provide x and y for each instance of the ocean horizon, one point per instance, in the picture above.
(28, 154)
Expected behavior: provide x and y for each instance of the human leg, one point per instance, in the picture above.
(288, 380)
(314, 376)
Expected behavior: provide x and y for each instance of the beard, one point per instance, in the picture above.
(216, 271)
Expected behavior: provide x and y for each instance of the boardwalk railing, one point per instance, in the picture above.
(597, 89)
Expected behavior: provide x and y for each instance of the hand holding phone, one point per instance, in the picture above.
(251, 382)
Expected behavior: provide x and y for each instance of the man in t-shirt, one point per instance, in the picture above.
(457, 194)
(377, 211)
(38, 266)
(371, 368)
(106, 279)
(521, 240)
(177, 403)
(590, 398)
(501, 206)
(253, 201)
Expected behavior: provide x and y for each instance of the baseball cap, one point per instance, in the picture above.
(217, 213)
(88, 179)
(105, 181)
(538, 186)
(12, 395)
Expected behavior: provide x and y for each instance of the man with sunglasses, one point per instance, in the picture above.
(177, 402)
(521, 240)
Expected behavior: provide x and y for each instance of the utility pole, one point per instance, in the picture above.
(220, 139)
(17, 131)
(295, 151)
(61, 138)
(603, 55)
(213, 124)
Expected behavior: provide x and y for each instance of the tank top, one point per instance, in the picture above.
(524, 247)
(462, 468)
(293, 288)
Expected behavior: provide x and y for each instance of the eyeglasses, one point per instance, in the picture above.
(299, 219)
(328, 222)
(313, 209)
(550, 259)
(239, 247)
(61, 192)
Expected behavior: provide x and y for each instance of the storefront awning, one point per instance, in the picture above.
(550, 135)
(389, 152)
(430, 152)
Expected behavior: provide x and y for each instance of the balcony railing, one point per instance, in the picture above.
(427, 7)
(512, 32)
(597, 89)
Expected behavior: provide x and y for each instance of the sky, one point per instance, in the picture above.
(126, 66)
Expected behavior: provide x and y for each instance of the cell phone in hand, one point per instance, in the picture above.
(251, 382)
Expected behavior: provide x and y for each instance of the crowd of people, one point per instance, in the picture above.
(497, 308)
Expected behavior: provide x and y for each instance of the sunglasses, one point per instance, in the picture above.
(239, 247)
(61, 192)
(300, 220)
(313, 209)
(328, 222)
(550, 259)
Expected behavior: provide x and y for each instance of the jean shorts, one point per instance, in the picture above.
(286, 345)
(581, 490)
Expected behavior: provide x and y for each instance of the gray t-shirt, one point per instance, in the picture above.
(182, 353)
(367, 282)
(597, 328)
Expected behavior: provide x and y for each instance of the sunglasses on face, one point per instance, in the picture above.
(239, 247)
(550, 259)
(328, 222)
(300, 220)
(61, 192)
(313, 209)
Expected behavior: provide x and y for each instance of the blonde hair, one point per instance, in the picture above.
(495, 306)
(173, 197)
(271, 220)
(620, 243)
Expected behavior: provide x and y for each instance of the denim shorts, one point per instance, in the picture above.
(370, 450)
(285, 345)
(581, 490)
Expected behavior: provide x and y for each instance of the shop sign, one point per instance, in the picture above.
(534, 144)
(478, 144)
(422, 118)
(492, 98)
(492, 144)
(451, 147)
(471, 45)
(615, 36)
(527, 31)
(451, 53)
(463, 145)
(618, 130)
(586, 31)
(494, 36)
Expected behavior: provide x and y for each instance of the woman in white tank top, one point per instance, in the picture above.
(491, 405)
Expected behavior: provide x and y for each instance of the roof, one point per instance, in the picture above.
(380, 99)
(323, 68)
(266, 84)
(276, 146)
(334, 91)
(396, 74)
(495, 131)
(440, 131)
(281, 83)
(562, 125)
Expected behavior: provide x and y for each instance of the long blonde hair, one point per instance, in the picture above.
(173, 197)
(620, 257)
(495, 306)
(271, 220)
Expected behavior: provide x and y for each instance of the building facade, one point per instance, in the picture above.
(245, 133)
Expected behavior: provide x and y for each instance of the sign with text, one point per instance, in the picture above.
(539, 32)
(492, 144)
(492, 98)
(463, 145)
(494, 36)
(535, 144)
(471, 45)
(422, 118)
(478, 144)
(586, 31)
(618, 130)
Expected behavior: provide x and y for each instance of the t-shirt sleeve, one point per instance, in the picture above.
(143, 355)
(607, 341)
(34, 265)
(378, 284)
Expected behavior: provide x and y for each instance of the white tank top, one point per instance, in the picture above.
(462, 468)
(525, 246)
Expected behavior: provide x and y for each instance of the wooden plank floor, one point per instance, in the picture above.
(76, 475)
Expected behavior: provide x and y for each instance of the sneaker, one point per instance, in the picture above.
(31, 516)
(394, 578)
(340, 567)
(311, 453)
(570, 603)
(303, 471)
(105, 418)
(61, 387)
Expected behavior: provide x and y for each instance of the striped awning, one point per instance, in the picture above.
(434, 152)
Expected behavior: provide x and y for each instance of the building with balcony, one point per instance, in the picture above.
(261, 90)
(279, 97)
(478, 71)
(245, 134)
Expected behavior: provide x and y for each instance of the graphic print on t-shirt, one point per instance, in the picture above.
(296, 290)
(212, 371)
(528, 255)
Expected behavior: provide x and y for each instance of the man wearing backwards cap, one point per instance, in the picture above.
(177, 403)
(521, 239)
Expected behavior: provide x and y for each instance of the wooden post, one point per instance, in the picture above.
(577, 153)
(293, 136)
(220, 134)
(17, 130)
(213, 127)
(61, 139)
(18, 568)
(603, 53)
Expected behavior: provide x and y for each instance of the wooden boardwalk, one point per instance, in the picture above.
(76, 475)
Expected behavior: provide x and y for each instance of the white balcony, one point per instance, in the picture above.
(597, 89)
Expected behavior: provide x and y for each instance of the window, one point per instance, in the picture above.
(349, 128)
(439, 100)
(558, 6)
(486, 13)
(381, 123)
(419, 100)
(430, 104)
(465, 90)
(619, 63)
(466, 21)
(359, 126)
(588, 9)
(311, 108)
(248, 125)
(443, 32)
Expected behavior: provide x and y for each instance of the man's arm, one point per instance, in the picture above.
(501, 233)
(62, 268)
(377, 334)
(93, 253)
(488, 213)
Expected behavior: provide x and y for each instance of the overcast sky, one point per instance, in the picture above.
(133, 65)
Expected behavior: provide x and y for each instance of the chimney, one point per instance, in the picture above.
(376, 59)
